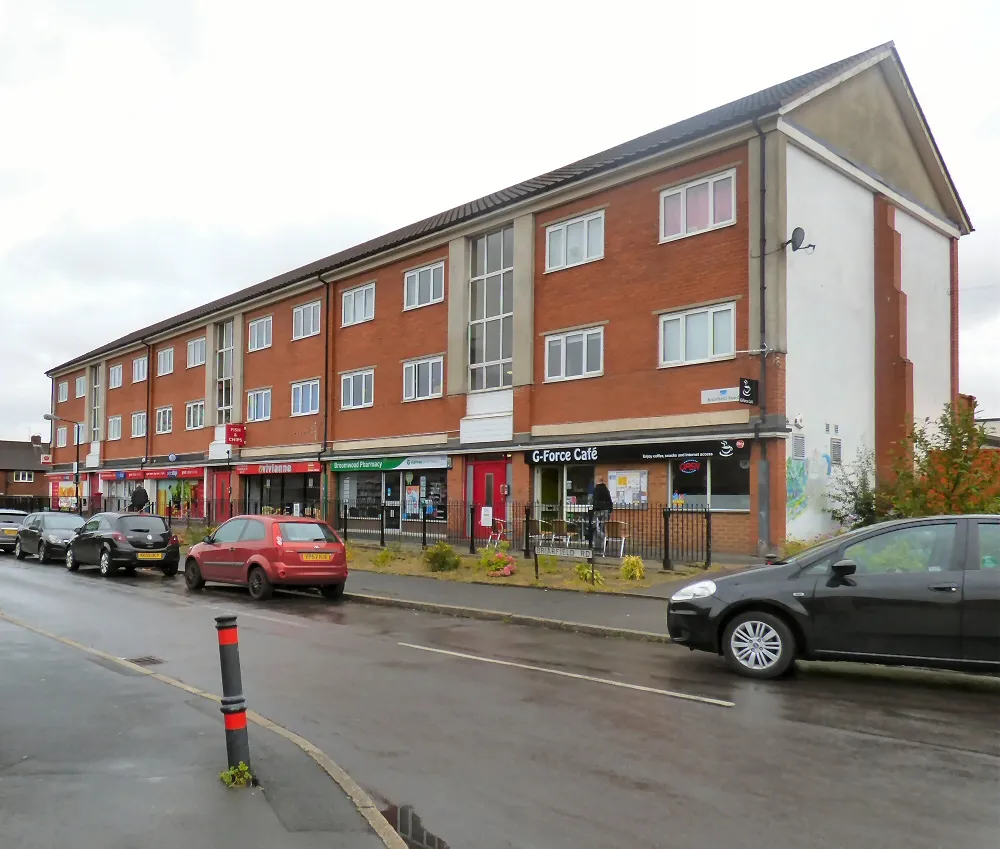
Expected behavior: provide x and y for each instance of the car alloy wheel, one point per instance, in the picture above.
(43, 555)
(71, 563)
(18, 553)
(756, 645)
(105, 563)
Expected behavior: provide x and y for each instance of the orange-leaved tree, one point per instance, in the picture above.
(944, 467)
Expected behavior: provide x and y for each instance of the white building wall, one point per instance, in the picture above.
(926, 273)
(830, 377)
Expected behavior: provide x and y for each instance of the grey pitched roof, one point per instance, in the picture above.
(732, 114)
(21, 456)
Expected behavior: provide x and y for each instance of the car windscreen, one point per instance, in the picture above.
(308, 532)
(12, 517)
(67, 521)
(142, 525)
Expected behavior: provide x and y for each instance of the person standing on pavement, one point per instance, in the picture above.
(602, 505)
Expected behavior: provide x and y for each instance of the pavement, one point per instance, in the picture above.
(93, 754)
(610, 611)
(483, 734)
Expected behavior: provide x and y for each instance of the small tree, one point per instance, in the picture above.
(945, 467)
(851, 495)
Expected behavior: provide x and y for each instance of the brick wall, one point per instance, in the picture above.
(74, 409)
(127, 399)
(176, 389)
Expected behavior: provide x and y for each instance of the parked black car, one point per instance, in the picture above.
(129, 540)
(46, 535)
(918, 592)
(10, 521)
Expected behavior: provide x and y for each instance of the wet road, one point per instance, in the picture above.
(499, 755)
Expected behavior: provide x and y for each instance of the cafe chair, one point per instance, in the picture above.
(563, 530)
(617, 532)
(497, 533)
(539, 531)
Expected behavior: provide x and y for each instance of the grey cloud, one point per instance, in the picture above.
(81, 288)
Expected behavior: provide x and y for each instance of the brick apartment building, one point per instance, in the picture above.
(22, 471)
(594, 321)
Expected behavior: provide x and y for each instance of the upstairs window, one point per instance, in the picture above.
(259, 405)
(423, 379)
(114, 428)
(572, 355)
(60, 437)
(196, 352)
(81, 386)
(115, 376)
(357, 389)
(164, 362)
(305, 398)
(491, 311)
(698, 206)
(574, 242)
(63, 392)
(259, 334)
(138, 424)
(424, 286)
(24, 477)
(139, 367)
(194, 415)
(164, 419)
(305, 320)
(358, 305)
(697, 336)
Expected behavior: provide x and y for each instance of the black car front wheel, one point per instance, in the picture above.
(71, 562)
(169, 570)
(108, 567)
(43, 553)
(18, 551)
(759, 645)
(192, 575)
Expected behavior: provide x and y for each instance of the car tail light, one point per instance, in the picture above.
(118, 536)
(277, 534)
(174, 540)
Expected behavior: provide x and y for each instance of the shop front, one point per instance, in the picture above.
(178, 493)
(117, 488)
(711, 474)
(410, 490)
(62, 491)
(290, 489)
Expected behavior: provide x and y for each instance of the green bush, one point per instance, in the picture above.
(633, 568)
(387, 555)
(585, 573)
(441, 557)
(348, 551)
(548, 564)
(237, 776)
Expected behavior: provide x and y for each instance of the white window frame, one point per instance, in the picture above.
(559, 263)
(165, 361)
(585, 333)
(297, 388)
(138, 424)
(199, 347)
(413, 275)
(350, 375)
(258, 402)
(24, 477)
(80, 387)
(115, 376)
(682, 190)
(300, 311)
(682, 317)
(114, 426)
(259, 333)
(198, 419)
(78, 431)
(164, 419)
(504, 363)
(62, 392)
(140, 369)
(411, 381)
(353, 293)
(61, 437)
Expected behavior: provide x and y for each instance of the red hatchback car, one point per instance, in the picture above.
(262, 552)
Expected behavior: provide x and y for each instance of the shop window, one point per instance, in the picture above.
(730, 483)
(579, 487)
(689, 477)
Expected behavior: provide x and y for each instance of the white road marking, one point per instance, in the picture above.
(239, 613)
(671, 693)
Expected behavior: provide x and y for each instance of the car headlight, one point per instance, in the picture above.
(53, 538)
(701, 589)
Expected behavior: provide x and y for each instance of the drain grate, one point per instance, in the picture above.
(145, 660)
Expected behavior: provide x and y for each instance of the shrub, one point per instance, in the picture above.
(585, 572)
(497, 562)
(548, 564)
(441, 557)
(348, 551)
(237, 776)
(633, 568)
(387, 555)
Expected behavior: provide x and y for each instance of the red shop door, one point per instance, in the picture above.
(489, 480)
(221, 502)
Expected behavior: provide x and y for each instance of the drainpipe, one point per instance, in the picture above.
(149, 391)
(763, 473)
(326, 388)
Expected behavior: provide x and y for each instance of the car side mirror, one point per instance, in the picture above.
(78, 531)
(843, 568)
(207, 540)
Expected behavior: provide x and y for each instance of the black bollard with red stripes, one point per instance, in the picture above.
(234, 706)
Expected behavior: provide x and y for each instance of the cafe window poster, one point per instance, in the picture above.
(629, 488)
(412, 501)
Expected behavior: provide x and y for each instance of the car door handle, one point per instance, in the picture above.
(944, 588)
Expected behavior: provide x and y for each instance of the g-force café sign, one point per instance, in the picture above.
(722, 448)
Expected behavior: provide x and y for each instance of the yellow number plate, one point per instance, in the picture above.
(10, 531)
(314, 557)
(148, 555)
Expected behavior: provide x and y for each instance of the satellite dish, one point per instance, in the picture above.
(798, 237)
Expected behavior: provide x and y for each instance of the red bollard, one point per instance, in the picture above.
(234, 706)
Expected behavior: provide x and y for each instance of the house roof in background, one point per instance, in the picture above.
(735, 113)
(21, 456)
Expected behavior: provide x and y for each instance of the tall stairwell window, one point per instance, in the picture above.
(491, 311)
(224, 372)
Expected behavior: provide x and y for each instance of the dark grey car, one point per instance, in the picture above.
(10, 523)
(46, 535)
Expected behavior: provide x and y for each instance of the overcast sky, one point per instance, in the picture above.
(156, 155)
